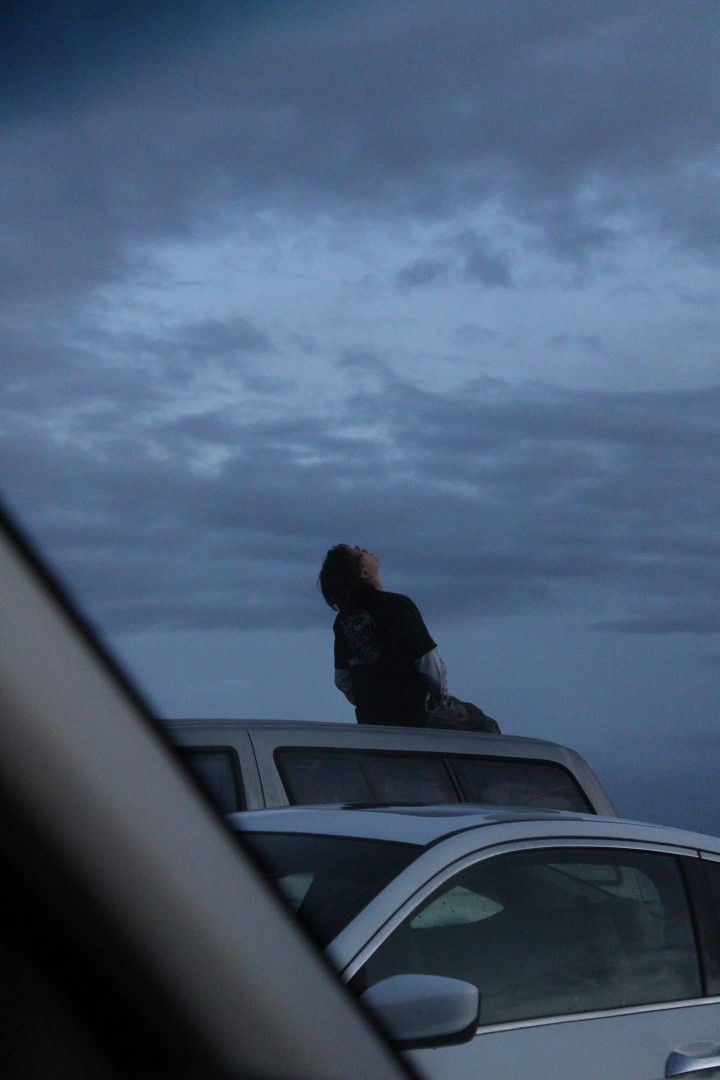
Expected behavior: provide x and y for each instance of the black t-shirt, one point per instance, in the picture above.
(378, 640)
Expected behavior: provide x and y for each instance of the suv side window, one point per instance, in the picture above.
(551, 932)
(318, 775)
(325, 775)
(518, 783)
(218, 770)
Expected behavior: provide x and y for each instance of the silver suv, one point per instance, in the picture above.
(256, 764)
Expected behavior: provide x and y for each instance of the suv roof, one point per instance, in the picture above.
(272, 749)
(331, 725)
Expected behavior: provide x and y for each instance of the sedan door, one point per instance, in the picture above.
(586, 959)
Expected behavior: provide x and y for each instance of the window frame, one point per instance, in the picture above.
(695, 890)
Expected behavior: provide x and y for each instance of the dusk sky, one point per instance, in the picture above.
(436, 278)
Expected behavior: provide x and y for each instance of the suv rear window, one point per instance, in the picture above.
(328, 775)
(518, 783)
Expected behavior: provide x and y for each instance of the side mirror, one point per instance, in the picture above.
(424, 1010)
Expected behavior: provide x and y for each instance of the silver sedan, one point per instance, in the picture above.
(510, 943)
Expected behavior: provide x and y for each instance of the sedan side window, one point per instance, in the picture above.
(550, 932)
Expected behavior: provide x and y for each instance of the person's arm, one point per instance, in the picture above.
(343, 681)
(427, 659)
(433, 671)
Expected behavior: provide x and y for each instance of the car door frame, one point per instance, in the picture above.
(101, 790)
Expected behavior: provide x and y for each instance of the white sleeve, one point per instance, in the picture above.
(343, 681)
(433, 671)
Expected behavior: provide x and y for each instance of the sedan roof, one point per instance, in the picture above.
(425, 825)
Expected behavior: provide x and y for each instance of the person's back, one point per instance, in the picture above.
(379, 639)
(385, 660)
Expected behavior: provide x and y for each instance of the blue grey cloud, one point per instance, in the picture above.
(415, 111)
(587, 342)
(421, 272)
(487, 268)
(526, 498)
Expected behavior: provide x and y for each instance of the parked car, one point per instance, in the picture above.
(511, 942)
(137, 938)
(256, 764)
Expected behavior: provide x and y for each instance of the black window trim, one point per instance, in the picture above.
(708, 916)
(188, 751)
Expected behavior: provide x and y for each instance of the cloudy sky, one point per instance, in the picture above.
(437, 278)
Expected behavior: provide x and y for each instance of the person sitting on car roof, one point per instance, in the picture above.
(385, 660)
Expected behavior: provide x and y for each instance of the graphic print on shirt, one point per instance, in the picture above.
(359, 629)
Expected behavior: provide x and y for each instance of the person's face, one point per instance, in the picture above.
(369, 566)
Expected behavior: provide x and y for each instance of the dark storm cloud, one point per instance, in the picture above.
(421, 272)
(465, 254)
(492, 499)
(119, 129)
(362, 360)
(106, 377)
(212, 337)
(479, 261)
(493, 414)
(486, 268)
(58, 45)
(615, 490)
(570, 116)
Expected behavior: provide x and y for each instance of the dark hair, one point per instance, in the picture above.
(340, 578)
